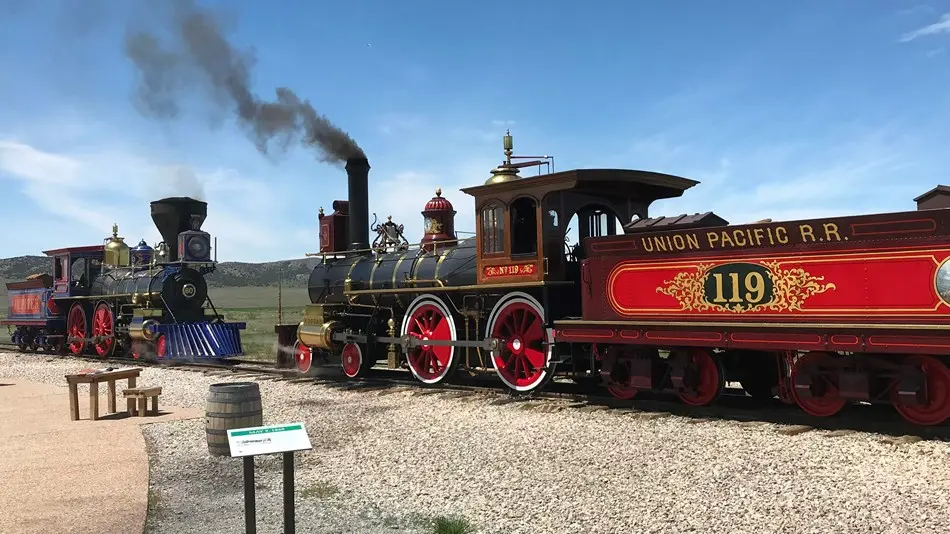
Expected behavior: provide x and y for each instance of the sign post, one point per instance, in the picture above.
(247, 443)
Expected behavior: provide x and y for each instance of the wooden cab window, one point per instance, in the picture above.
(60, 272)
(493, 228)
(524, 227)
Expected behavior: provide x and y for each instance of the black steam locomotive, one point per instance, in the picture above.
(112, 300)
(435, 308)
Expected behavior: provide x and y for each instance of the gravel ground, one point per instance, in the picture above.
(390, 462)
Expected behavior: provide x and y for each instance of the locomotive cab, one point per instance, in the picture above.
(522, 225)
(74, 269)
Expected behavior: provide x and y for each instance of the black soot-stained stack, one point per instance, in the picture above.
(357, 172)
(174, 215)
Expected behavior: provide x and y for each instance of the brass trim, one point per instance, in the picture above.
(396, 268)
(733, 324)
(479, 287)
(372, 273)
(438, 264)
(353, 265)
(103, 297)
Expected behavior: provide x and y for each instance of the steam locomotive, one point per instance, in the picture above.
(113, 300)
(819, 313)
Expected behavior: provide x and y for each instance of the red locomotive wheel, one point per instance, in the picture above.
(161, 346)
(76, 327)
(303, 357)
(707, 379)
(103, 324)
(824, 400)
(619, 376)
(937, 388)
(429, 320)
(522, 365)
(352, 360)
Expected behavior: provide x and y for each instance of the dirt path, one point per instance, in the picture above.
(70, 476)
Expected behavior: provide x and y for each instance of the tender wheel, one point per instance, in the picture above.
(524, 364)
(701, 380)
(76, 326)
(936, 391)
(617, 372)
(354, 364)
(813, 387)
(429, 319)
(103, 324)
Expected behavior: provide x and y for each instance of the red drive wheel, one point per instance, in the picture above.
(814, 388)
(429, 319)
(524, 364)
(353, 360)
(103, 324)
(936, 391)
(76, 327)
(703, 378)
(303, 357)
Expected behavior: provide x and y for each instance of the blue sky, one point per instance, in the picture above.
(781, 110)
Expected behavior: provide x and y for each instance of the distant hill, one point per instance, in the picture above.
(228, 274)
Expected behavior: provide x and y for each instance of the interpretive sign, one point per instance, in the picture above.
(268, 439)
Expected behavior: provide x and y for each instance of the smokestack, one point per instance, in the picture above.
(357, 172)
(175, 215)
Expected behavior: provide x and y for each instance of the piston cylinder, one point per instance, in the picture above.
(319, 336)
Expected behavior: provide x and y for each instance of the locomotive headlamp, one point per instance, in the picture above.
(194, 245)
(198, 246)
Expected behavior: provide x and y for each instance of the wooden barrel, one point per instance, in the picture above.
(230, 405)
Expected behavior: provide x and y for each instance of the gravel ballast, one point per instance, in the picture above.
(392, 462)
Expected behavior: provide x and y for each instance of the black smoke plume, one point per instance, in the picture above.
(200, 55)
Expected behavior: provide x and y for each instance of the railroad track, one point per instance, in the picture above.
(733, 406)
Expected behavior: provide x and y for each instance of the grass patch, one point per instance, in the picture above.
(451, 525)
(259, 338)
(252, 297)
(320, 490)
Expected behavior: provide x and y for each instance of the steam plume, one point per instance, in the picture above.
(200, 54)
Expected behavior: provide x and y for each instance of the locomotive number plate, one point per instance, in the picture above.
(739, 286)
(743, 287)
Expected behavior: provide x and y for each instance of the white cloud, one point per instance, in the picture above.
(96, 188)
(23, 160)
(802, 180)
(942, 26)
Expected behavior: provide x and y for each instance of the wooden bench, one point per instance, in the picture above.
(94, 378)
(142, 394)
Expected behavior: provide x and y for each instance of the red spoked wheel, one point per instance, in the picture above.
(76, 326)
(429, 319)
(353, 360)
(303, 357)
(936, 389)
(524, 362)
(617, 372)
(814, 388)
(703, 378)
(103, 324)
(161, 346)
